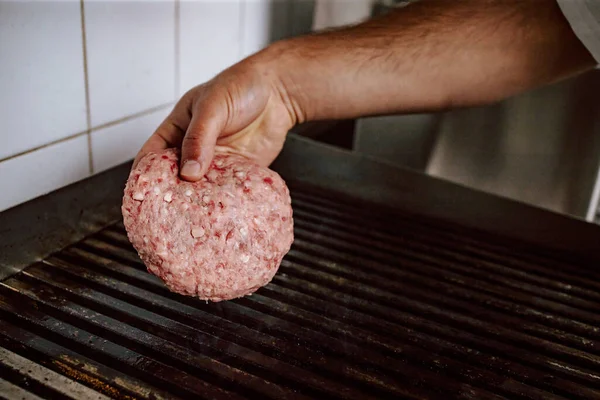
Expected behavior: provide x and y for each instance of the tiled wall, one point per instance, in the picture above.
(84, 83)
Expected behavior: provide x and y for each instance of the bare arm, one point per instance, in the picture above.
(431, 55)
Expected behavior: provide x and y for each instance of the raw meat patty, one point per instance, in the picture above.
(220, 238)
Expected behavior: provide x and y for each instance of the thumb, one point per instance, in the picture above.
(198, 145)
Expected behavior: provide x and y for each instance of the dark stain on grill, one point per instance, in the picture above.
(367, 304)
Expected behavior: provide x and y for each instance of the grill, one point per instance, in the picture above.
(372, 301)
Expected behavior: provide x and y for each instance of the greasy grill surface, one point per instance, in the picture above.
(367, 304)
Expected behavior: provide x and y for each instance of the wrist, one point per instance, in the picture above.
(281, 66)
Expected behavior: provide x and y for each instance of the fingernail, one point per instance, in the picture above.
(191, 169)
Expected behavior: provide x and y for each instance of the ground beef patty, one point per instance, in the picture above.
(220, 238)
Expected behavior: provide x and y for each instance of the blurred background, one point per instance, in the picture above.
(84, 83)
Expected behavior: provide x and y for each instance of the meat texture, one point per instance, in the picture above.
(220, 238)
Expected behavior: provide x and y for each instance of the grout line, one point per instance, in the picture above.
(132, 116)
(65, 139)
(88, 132)
(177, 74)
(88, 112)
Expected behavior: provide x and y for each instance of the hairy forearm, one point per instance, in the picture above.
(431, 55)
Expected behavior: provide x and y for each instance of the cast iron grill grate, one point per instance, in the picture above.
(367, 304)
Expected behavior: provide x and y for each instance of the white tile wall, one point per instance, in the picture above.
(264, 21)
(41, 74)
(42, 171)
(130, 53)
(210, 39)
(116, 143)
(256, 25)
(140, 55)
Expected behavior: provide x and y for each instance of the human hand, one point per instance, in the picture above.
(428, 56)
(244, 110)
